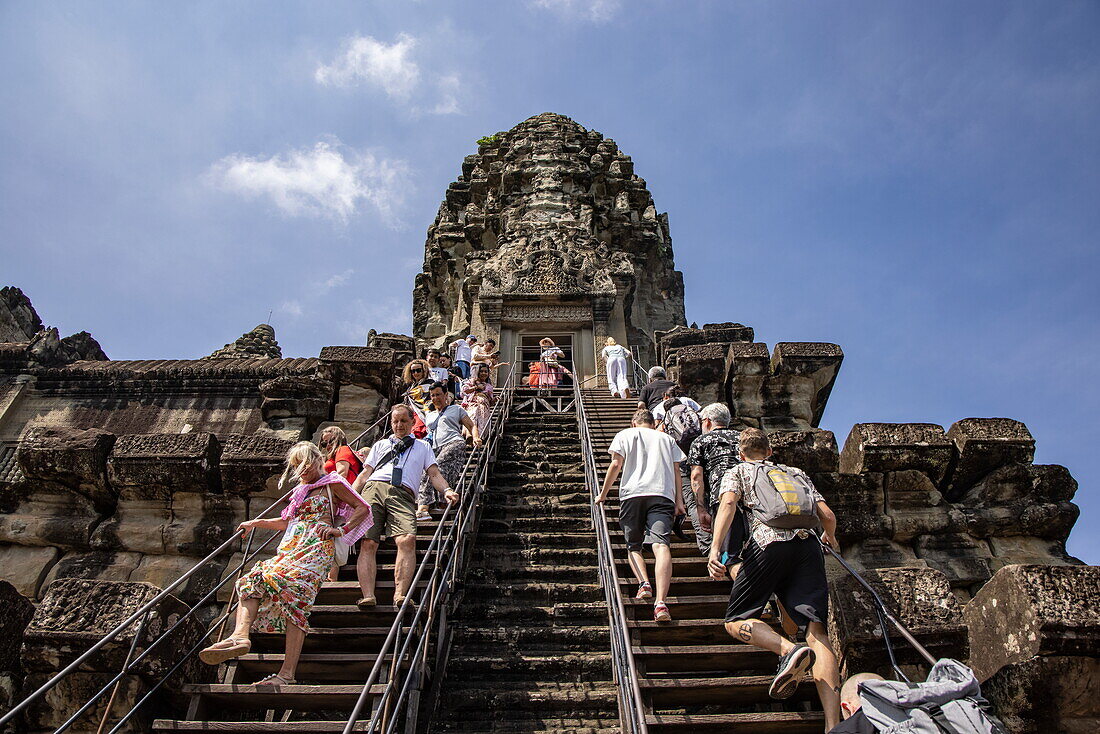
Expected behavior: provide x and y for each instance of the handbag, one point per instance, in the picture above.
(342, 546)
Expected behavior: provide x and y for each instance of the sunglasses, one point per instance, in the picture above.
(417, 369)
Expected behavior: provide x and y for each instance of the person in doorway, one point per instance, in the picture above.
(786, 562)
(649, 496)
(710, 457)
(551, 370)
(390, 481)
(851, 707)
(616, 357)
(339, 458)
(277, 595)
(445, 425)
(652, 393)
(464, 351)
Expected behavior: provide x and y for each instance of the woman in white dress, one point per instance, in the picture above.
(616, 356)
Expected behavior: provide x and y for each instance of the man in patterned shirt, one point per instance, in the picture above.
(711, 456)
(786, 562)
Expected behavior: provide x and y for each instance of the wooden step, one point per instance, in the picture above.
(255, 727)
(732, 657)
(311, 666)
(731, 691)
(678, 632)
(335, 639)
(298, 697)
(771, 722)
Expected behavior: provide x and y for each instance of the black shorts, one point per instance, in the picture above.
(646, 519)
(793, 570)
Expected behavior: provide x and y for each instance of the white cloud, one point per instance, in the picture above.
(326, 180)
(597, 11)
(291, 308)
(386, 65)
(391, 68)
(450, 87)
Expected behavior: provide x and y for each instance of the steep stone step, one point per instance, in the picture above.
(544, 664)
(535, 539)
(555, 637)
(536, 592)
(312, 667)
(297, 696)
(703, 659)
(726, 692)
(771, 722)
(572, 612)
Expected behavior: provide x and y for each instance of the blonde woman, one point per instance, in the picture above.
(417, 376)
(277, 595)
(616, 356)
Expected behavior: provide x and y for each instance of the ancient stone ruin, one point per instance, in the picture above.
(116, 476)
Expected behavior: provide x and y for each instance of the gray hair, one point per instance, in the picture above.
(656, 373)
(716, 413)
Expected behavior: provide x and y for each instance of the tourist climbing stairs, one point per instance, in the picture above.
(692, 676)
(531, 636)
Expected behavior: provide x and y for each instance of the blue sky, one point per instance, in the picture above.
(919, 181)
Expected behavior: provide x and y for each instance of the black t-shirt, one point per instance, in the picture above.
(653, 393)
(857, 723)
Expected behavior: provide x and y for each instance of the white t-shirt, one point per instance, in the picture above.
(649, 459)
(440, 374)
(463, 350)
(614, 351)
(659, 411)
(414, 462)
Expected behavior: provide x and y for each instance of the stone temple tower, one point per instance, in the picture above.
(548, 232)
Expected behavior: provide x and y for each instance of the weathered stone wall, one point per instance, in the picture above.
(544, 213)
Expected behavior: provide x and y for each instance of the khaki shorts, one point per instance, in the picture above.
(393, 510)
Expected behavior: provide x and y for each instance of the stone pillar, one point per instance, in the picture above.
(601, 315)
(1035, 642)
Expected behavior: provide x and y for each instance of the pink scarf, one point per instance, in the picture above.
(301, 492)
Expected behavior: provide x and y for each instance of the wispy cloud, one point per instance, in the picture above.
(596, 11)
(291, 308)
(394, 69)
(373, 62)
(327, 180)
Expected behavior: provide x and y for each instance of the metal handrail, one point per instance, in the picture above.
(641, 376)
(141, 614)
(631, 707)
(442, 558)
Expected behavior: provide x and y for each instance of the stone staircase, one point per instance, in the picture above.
(693, 676)
(530, 649)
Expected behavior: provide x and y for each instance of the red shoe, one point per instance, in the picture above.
(660, 612)
(645, 591)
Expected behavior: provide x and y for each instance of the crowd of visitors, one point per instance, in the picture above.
(754, 520)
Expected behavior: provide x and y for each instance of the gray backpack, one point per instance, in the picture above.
(783, 500)
(949, 702)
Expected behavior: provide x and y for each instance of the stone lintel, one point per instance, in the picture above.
(813, 451)
(156, 465)
(1024, 611)
(71, 459)
(985, 444)
(882, 447)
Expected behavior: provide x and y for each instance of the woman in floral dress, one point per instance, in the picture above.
(477, 396)
(283, 588)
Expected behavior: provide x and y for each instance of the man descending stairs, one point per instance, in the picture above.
(692, 675)
(530, 649)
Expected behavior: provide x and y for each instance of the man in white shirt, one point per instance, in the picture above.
(389, 482)
(464, 351)
(649, 496)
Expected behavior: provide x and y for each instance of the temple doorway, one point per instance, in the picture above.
(529, 351)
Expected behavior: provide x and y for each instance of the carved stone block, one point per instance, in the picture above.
(293, 401)
(1024, 611)
(858, 503)
(813, 451)
(984, 444)
(883, 447)
(702, 372)
(50, 517)
(157, 465)
(98, 565)
(70, 459)
(818, 361)
(920, 598)
(880, 553)
(1047, 694)
(963, 559)
(249, 463)
(916, 506)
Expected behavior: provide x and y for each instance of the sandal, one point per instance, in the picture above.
(645, 591)
(227, 649)
(367, 602)
(399, 600)
(275, 680)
